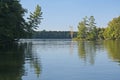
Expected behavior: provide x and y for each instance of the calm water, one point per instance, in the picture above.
(60, 60)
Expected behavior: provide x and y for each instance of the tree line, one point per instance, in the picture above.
(13, 25)
(87, 30)
(54, 34)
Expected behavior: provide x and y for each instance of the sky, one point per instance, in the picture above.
(59, 15)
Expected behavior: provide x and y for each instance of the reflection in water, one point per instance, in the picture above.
(87, 51)
(11, 62)
(13, 58)
(113, 48)
(22, 61)
(71, 47)
(32, 58)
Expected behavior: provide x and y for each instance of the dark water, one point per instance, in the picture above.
(60, 60)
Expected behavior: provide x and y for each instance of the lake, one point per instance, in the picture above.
(60, 59)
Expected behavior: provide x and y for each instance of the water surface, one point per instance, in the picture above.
(60, 60)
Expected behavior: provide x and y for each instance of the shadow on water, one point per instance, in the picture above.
(12, 60)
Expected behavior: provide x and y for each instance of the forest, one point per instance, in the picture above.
(54, 35)
(13, 25)
(87, 30)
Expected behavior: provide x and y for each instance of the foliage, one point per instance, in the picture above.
(11, 20)
(92, 31)
(87, 29)
(12, 24)
(113, 29)
(82, 30)
(100, 32)
(34, 20)
(53, 34)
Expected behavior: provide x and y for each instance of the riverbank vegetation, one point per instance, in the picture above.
(87, 30)
(13, 25)
(54, 35)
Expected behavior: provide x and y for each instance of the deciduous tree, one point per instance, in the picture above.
(13, 26)
(113, 29)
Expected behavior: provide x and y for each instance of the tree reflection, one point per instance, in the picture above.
(13, 58)
(113, 48)
(11, 62)
(81, 50)
(87, 51)
(31, 56)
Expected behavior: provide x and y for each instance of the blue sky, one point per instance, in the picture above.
(61, 14)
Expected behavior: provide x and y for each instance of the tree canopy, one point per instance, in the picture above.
(53, 35)
(82, 30)
(13, 26)
(34, 20)
(113, 29)
(87, 30)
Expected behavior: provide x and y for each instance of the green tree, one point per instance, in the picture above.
(113, 29)
(100, 33)
(34, 20)
(87, 29)
(92, 30)
(81, 30)
(12, 23)
(11, 20)
(107, 33)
